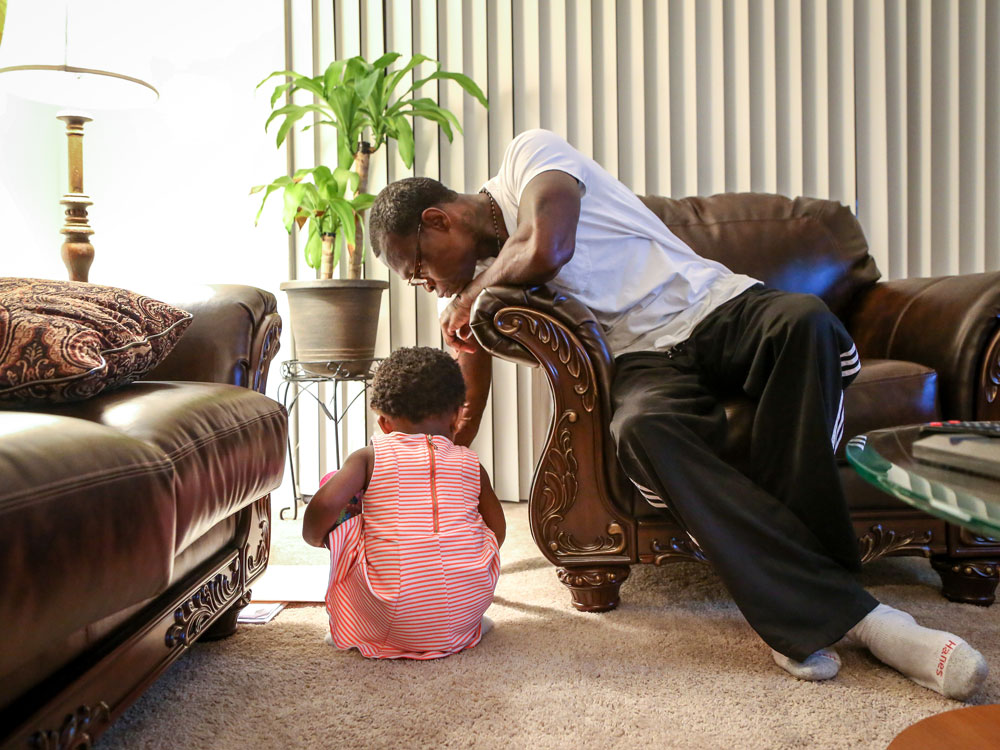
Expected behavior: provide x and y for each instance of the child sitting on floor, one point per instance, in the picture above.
(412, 573)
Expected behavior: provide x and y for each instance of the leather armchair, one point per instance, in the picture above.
(930, 349)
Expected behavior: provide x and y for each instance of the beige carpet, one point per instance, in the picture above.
(674, 667)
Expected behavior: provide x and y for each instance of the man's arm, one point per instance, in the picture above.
(543, 242)
(477, 370)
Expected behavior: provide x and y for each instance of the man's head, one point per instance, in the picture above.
(423, 232)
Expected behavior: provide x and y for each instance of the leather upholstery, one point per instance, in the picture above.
(83, 532)
(946, 323)
(803, 245)
(116, 513)
(226, 444)
(224, 339)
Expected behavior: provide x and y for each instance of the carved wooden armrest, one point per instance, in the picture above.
(574, 518)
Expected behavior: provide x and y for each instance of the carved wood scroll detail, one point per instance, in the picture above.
(192, 617)
(257, 561)
(880, 541)
(267, 351)
(559, 489)
(677, 550)
(991, 379)
(511, 322)
(974, 539)
(77, 730)
(538, 332)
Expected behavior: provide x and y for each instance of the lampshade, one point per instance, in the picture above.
(76, 53)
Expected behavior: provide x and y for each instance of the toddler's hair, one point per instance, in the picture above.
(418, 382)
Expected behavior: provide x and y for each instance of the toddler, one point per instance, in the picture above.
(412, 571)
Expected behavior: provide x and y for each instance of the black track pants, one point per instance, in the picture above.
(781, 538)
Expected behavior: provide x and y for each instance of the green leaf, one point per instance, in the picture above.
(436, 115)
(367, 84)
(3, 14)
(279, 90)
(345, 216)
(332, 76)
(462, 80)
(404, 139)
(289, 73)
(294, 109)
(345, 153)
(270, 189)
(293, 199)
(357, 67)
(399, 74)
(386, 60)
(314, 246)
(362, 202)
(344, 178)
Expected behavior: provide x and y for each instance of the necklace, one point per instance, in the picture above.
(493, 213)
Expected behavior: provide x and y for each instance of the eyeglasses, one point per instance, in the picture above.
(415, 278)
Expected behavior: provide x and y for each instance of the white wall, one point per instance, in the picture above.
(170, 183)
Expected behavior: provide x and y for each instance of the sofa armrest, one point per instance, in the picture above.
(949, 323)
(232, 339)
(537, 326)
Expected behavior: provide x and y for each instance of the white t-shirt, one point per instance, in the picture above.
(646, 287)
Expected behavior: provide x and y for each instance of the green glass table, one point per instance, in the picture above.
(885, 458)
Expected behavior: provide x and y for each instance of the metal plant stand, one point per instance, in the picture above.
(302, 377)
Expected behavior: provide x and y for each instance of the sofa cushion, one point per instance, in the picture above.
(803, 245)
(64, 341)
(886, 393)
(226, 443)
(86, 526)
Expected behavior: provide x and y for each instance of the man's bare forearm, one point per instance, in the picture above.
(477, 371)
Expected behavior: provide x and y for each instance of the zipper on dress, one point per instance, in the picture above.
(434, 495)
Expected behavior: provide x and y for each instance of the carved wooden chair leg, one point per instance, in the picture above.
(594, 588)
(969, 581)
(225, 626)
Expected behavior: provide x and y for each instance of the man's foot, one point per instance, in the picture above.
(822, 665)
(933, 659)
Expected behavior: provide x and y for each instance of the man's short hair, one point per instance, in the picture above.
(398, 207)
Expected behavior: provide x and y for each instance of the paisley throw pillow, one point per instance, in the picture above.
(64, 341)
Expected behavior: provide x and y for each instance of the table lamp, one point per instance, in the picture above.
(75, 54)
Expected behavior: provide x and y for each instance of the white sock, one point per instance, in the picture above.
(487, 625)
(329, 638)
(933, 659)
(821, 665)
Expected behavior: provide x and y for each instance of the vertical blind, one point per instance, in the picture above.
(890, 106)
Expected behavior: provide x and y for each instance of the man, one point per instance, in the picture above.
(683, 329)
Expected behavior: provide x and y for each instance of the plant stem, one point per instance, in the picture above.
(361, 162)
(326, 266)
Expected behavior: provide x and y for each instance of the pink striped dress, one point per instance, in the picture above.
(412, 575)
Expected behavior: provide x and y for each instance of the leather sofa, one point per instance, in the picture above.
(930, 348)
(133, 523)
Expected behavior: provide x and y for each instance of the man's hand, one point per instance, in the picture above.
(455, 325)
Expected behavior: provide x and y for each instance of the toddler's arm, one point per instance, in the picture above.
(325, 506)
(489, 507)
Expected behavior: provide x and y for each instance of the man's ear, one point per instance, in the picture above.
(436, 218)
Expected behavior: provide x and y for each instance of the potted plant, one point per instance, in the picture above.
(360, 100)
(317, 197)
